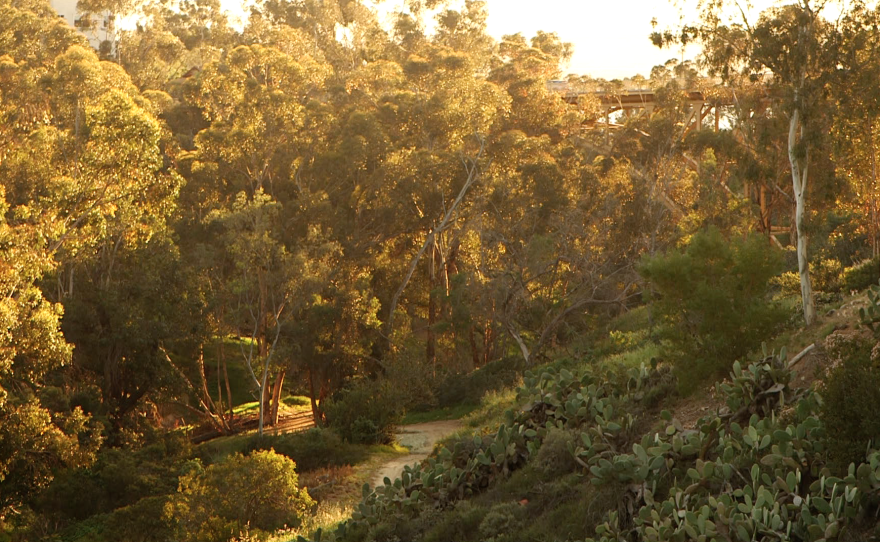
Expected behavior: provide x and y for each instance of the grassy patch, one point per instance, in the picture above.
(293, 404)
(338, 491)
(297, 401)
(636, 357)
(245, 408)
(492, 408)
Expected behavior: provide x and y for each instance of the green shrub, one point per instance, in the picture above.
(459, 524)
(786, 284)
(503, 518)
(312, 449)
(827, 275)
(470, 388)
(90, 530)
(119, 478)
(554, 457)
(851, 396)
(712, 302)
(862, 275)
(258, 492)
(366, 412)
(143, 521)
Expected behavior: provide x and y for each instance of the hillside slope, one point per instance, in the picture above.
(610, 453)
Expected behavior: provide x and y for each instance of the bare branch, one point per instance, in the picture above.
(472, 176)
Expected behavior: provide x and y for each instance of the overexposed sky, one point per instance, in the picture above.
(610, 37)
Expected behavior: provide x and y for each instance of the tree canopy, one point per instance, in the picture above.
(318, 197)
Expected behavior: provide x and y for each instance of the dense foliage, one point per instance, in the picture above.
(257, 492)
(370, 214)
(713, 302)
(756, 470)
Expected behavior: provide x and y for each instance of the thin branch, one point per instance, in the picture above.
(472, 176)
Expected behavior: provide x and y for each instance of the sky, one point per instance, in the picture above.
(610, 37)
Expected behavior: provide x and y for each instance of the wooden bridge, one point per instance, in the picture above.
(700, 105)
(294, 422)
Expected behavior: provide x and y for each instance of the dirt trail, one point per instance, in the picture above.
(420, 439)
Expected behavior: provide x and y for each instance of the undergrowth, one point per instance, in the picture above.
(756, 470)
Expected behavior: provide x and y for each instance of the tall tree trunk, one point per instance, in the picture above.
(317, 413)
(873, 200)
(799, 171)
(430, 347)
(276, 397)
(212, 409)
(765, 213)
(220, 405)
(489, 338)
(228, 387)
(264, 401)
(475, 350)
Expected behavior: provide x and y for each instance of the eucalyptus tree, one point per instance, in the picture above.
(87, 157)
(40, 431)
(855, 132)
(793, 50)
(285, 141)
(57, 110)
(260, 285)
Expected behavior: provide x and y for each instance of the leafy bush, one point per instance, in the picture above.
(851, 396)
(713, 302)
(143, 521)
(786, 284)
(861, 275)
(470, 388)
(500, 520)
(257, 492)
(622, 341)
(366, 412)
(554, 458)
(827, 275)
(460, 523)
(119, 478)
(312, 449)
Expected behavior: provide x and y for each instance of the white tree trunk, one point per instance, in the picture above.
(799, 171)
(524, 349)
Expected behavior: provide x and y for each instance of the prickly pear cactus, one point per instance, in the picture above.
(743, 475)
(870, 316)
